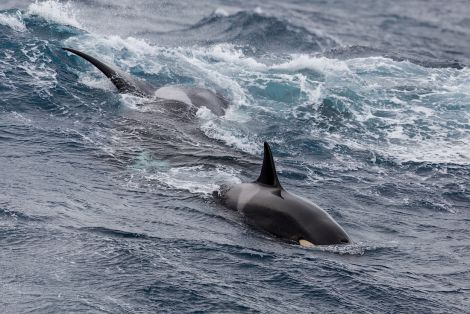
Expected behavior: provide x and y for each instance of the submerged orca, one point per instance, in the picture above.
(266, 205)
(173, 95)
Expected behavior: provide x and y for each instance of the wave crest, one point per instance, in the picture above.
(54, 11)
(14, 21)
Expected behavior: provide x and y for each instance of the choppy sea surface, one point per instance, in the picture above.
(108, 206)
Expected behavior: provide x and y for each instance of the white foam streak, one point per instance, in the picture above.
(359, 248)
(198, 179)
(94, 82)
(319, 64)
(36, 66)
(43, 77)
(215, 128)
(230, 56)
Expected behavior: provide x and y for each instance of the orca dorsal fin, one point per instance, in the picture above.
(268, 175)
(124, 83)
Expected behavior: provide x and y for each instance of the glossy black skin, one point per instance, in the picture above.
(284, 214)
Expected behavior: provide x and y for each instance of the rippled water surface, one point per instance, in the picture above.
(107, 205)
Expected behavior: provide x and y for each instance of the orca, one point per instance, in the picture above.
(266, 205)
(176, 96)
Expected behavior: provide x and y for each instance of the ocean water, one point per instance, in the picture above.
(109, 206)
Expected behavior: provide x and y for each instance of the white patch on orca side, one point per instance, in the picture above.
(246, 195)
(173, 93)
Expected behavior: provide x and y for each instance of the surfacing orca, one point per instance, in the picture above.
(174, 95)
(266, 205)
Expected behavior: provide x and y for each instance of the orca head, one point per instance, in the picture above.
(314, 224)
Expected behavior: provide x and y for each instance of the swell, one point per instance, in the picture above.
(358, 51)
(254, 31)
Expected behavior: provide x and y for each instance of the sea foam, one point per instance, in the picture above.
(14, 21)
(54, 11)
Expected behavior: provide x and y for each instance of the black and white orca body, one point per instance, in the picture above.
(266, 205)
(190, 97)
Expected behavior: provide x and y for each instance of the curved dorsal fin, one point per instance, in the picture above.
(268, 173)
(123, 82)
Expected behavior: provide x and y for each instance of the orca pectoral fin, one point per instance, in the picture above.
(124, 83)
(268, 175)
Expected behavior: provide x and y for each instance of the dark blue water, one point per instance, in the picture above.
(107, 206)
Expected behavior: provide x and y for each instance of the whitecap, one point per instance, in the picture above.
(55, 12)
(220, 12)
(319, 64)
(14, 21)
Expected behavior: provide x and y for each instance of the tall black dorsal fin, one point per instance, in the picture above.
(123, 82)
(268, 173)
